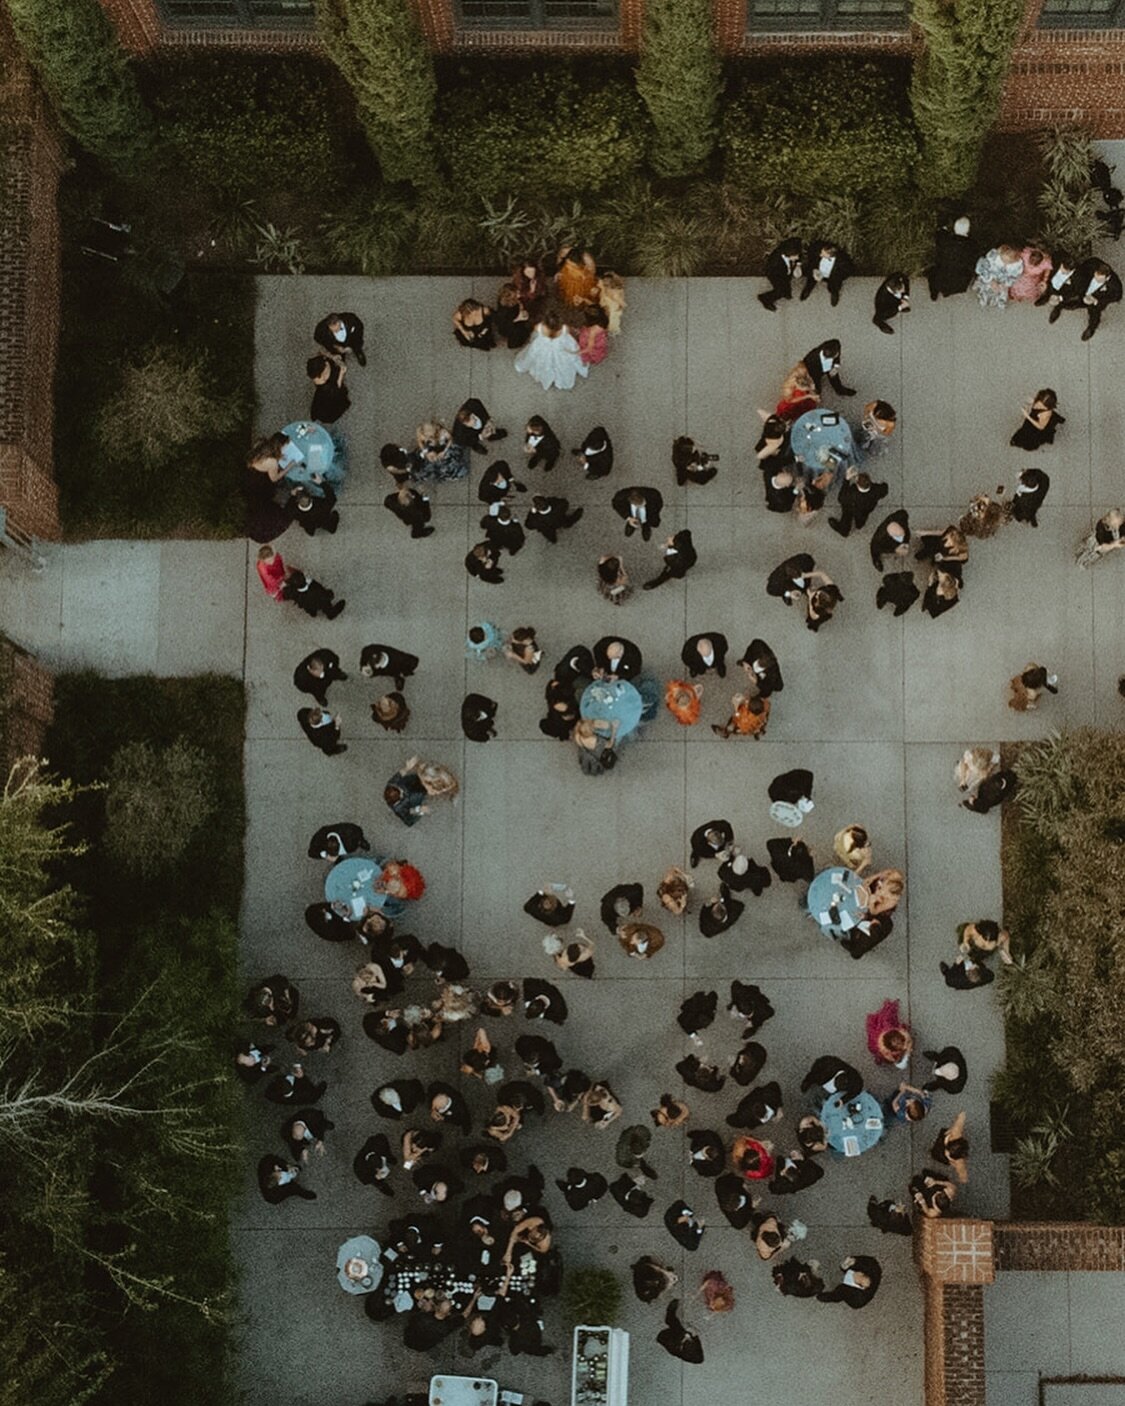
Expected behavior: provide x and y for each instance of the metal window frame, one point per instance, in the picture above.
(244, 17)
(828, 18)
(537, 19)
(1088, 19)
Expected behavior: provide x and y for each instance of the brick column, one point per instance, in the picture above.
(436, 20)
(137, 23)
(27, 703)
(730, 25)
(632, 21)
(955, 1259)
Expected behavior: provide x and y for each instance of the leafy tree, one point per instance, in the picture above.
(74, 51)
(679, 77)
(379, 48)
(957, 82)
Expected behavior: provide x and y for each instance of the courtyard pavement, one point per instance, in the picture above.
(878, 708)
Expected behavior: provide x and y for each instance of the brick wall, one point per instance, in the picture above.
(1059, 1245)
(29, 298)
(137, 23)
(27, 704)
(1066, 76)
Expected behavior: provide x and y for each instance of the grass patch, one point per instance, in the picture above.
(1063, 1082)
(107, 323)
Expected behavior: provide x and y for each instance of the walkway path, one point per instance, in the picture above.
(878, 708)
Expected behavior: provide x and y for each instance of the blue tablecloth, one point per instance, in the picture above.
(814, 438)
(352, 881)
(364, 1248)
(316, 454)
(833, 900)
(614, 700)
(853, 1127)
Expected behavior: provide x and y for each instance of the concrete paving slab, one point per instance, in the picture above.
(1010, 1304)
(110, 606)
(1011, 1388)
(202, 611)
(31, 602)
(1097, 1303)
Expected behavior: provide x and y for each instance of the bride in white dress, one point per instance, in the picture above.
(551, 356)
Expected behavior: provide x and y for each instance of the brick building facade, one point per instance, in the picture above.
(1068, 72)
(27, 703)
(29, 298)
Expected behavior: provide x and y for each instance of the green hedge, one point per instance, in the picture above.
(1063, 858)
(836, 126)
(546, 134)
(250, 125)
(105, 325)
(679, 78)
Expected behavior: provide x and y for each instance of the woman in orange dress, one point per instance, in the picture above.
(748, 717)
(682, 700)
(577, 276)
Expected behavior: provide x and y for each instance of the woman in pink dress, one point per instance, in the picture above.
(888, 1036)
(1036, 272)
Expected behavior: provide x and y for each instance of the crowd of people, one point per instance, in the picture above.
(471, 1247)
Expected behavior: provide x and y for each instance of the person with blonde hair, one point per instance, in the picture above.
(674, 890)
(611, 299)
(852, 847)
(884, 891)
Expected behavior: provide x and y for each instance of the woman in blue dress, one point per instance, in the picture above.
(437, 459)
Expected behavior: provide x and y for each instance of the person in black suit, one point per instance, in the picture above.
(950, 1070)
(340, 333)
(316, 672)
(867, 935)
(543, 1001)
(748, 1063)
(330, 397)
(577, 663)
(720, 914)
(313, 512)
(473, 428)
(306, 1130)
(826, 263)
(596, 453)
(550, 516)
(581, 1189)
(683, 1225)
(750, 1004)
(796, 1279)
(790, 860)
(834, 1076)
(374, 1162)
(859, 1285)
(337, 841)
(891, 1217)
(890, 538)
(623, 903)
(781, 487)
(331, 923)
(994, 790)
(538, 1055)
(740, 873)
(762, 668)
(1031, 489)
(616, 658)
(701, 653)
(759, 1106)
(1094, 286)
(943, 591)
(795, 1172)
(697, 1012)
(898, 589)
(483, 562)
(551, 907)
(498, 483)
(630, 1197)
(787, 581)
(783, 262)
(711, 840)
(690, 462)
(708, 1079)
(295, 1087)
(446, 962)
(679, 558)
(891, 297)
(677, 1338)
(322, 729)
(478, 717)
(955, 260)
(859, 497)
(277, 1181)
(502, 529)
(541, 444)
(735, 1201)
(398, 1099)
(823, 364)
(412, 508)
(448, 1106)
(311, 596)
(382, 661)
(640, 507)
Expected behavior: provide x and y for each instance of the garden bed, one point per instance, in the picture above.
(1063, 1082)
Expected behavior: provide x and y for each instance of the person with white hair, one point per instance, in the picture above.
(954, 260)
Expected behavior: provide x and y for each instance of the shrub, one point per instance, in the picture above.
(897, 231)
(76, 54)
(167, 399)
(248, 127)
(679, 78)
(810, 129)
(672, 243)
(956, 84)
(157, 802)
(591, 1296)
(378, 47)
(1068, 203)
(544, 136)
(372, 233)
